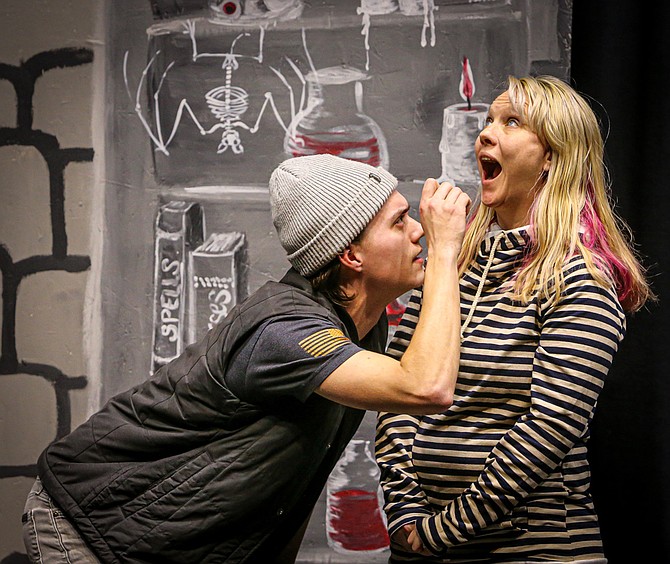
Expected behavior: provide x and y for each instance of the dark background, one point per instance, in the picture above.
(620, 52)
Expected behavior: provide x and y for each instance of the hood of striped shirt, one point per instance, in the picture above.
(500, 251)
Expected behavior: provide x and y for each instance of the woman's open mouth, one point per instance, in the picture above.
(490, 167)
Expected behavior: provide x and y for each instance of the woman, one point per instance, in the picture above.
(547, 275)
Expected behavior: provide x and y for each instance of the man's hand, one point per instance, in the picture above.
(443, 208)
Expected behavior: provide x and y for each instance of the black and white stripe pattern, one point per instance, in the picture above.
(503, 475)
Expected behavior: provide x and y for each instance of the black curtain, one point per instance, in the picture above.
(620, 51)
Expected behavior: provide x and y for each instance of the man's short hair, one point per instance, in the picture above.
(327, 281)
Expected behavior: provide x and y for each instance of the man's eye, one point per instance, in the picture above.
(400, 219)
(513, 122)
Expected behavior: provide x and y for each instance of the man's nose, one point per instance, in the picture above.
(416, 230)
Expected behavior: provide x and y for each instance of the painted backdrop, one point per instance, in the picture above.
(200, 101)
(208, 97)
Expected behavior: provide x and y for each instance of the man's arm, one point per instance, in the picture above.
(423, 380)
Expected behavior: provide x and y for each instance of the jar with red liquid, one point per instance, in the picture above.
(355, 522)
(333, 121)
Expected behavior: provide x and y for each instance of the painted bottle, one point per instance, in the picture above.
(355, 522)
(333, 120)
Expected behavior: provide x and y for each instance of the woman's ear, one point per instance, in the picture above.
(547, 161)
(351, 257)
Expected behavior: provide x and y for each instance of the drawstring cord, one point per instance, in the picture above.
(489, 262)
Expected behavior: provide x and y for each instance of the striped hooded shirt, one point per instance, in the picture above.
(502, 475)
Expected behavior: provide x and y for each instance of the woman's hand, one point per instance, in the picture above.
(408, 540)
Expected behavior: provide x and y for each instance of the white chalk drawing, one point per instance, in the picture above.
(238, 12)
(216, 274)
(373, 8)
(428, 22)
(179, 229)
(313, 127)
(421, 7)
(333, 120)
(228, 103)
(407, 7)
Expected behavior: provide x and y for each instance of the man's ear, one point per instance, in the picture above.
(350, 258)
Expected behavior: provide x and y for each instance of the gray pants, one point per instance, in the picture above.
(50, 538)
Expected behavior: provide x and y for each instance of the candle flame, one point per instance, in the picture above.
(467, 84)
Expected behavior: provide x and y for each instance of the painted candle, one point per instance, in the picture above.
(461, 125)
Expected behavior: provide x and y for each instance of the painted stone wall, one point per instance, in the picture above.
(47, 184)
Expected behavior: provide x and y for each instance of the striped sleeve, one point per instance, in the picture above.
(578, 339)
(405, 501)
(405, 329)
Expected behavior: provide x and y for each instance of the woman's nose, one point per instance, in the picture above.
(486, 135)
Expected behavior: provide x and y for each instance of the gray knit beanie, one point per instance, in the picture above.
(321, 203)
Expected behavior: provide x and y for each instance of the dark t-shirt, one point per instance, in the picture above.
(287, 357)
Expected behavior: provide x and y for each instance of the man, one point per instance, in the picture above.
(221, 456)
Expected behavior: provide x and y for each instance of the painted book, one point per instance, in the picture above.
(179, 230)
(218, 281)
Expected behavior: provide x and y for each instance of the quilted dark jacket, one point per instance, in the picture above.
(177, 469)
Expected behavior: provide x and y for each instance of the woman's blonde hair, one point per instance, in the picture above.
(575, 199)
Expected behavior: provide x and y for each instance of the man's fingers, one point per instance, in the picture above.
(447, 193)
(443, 191)
(432, 189)
(464, 200)
(429, 188)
